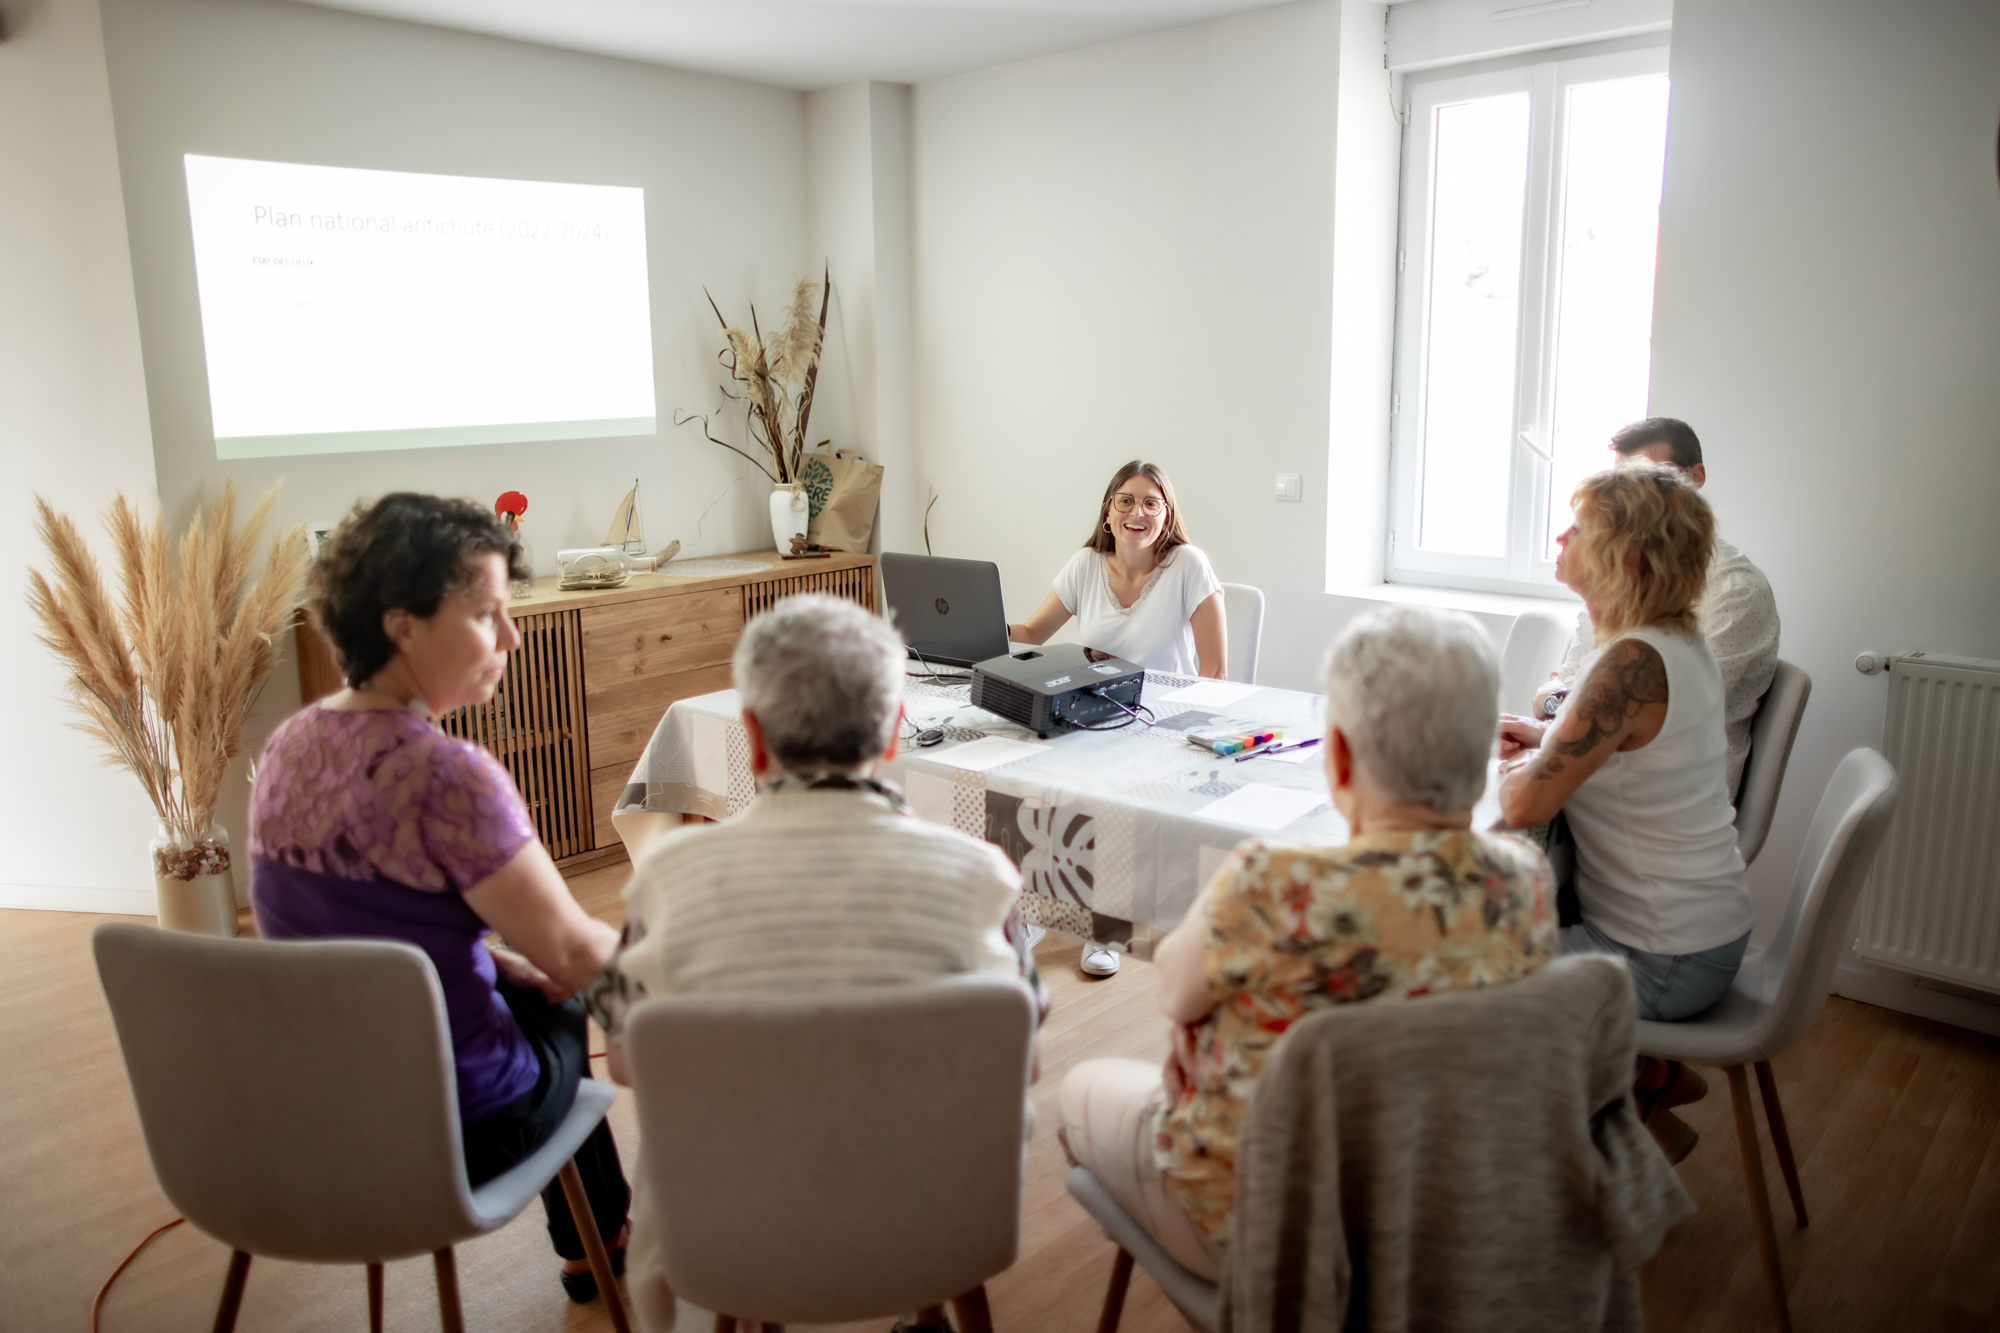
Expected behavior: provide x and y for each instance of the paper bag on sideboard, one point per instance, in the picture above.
(843, 491)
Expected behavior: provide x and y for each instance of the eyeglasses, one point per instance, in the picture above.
(1152, 506)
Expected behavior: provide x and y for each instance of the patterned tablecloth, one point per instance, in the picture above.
(1114, 831)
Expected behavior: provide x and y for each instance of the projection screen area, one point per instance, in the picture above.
(345, 310)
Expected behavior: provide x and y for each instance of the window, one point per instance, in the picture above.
(1525, 306)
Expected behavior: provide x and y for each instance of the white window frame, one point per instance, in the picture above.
(1523, 569)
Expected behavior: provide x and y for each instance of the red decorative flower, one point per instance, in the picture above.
(511, 503)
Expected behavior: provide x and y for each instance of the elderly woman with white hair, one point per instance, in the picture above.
(1414, 903)
(825, 881)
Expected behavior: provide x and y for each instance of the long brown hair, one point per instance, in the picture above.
(1647, 548)
(1172, 534)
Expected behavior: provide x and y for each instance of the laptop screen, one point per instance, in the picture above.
(949, 611)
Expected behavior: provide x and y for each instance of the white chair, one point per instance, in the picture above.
(1243, 607)
(1780, 989)
(1773, 728)
(821, 1159)
(1535, 647)
(299, 1101)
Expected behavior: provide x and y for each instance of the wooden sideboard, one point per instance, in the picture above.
(594, 674)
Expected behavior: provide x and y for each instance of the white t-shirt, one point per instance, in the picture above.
(1656, 861)
(1154, 630)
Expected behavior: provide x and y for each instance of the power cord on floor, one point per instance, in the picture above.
(97, 1305)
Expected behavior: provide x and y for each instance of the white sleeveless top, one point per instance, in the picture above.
(1656, 862)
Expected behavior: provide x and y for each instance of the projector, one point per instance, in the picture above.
(1048, 689)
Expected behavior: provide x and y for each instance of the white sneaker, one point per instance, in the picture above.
(1035, 934)
(1099, 961)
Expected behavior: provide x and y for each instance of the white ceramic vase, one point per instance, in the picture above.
(197, 891)
(790, 512)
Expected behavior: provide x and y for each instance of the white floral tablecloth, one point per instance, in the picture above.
(1108, 827)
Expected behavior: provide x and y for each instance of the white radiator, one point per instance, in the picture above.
(1933, 903)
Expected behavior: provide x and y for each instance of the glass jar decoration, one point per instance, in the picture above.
(791, 511)
(196, 887)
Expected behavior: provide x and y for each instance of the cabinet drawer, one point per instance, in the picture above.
(659, 636)
(622, 717)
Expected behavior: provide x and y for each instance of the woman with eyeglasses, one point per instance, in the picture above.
(1139, 588)
(1141, 591)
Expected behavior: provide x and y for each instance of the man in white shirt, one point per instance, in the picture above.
(1738, 613)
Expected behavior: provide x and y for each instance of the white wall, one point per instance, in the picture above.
(722, 163)
(1827, 316)
(72, 427)
(858, 217)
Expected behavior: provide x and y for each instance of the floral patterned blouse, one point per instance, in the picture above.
(1293, 929)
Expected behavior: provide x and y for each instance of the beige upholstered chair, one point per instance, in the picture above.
(298, 1101)
(1781, 987)
(1772, 730)
(1371, 1179)
(840, 1157)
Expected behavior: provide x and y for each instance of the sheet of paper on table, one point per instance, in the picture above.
(981, 755)
(1260, 806)
(1209, 694)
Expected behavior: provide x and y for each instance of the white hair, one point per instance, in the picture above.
(1413, 691)
(824, 678)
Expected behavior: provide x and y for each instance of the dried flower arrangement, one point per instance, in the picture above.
(774, 380)
(165, 678)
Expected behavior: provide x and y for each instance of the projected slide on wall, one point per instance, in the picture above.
(347, 310)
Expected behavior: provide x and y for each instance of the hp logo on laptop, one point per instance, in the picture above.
(943, 607)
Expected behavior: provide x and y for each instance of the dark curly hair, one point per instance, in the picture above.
(403, 552)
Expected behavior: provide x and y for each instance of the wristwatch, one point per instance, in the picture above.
(1553, 704)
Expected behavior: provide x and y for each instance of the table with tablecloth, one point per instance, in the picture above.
(1114, 831)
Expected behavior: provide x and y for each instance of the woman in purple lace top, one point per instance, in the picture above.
(366, 821)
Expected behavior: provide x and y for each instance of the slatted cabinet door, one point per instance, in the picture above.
(534, 725)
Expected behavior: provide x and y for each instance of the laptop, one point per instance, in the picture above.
(948, 610)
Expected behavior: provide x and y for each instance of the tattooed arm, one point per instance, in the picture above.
(1620, 705)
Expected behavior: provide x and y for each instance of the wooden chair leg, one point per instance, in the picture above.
(593, 1244)
(232, 1291)
(449, 1313)
(1781, 1138)
(1760, 1200)
(1114, 1295)
(374, 1298)
(971, 1309)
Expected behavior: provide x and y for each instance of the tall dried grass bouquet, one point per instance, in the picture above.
(164, 678)
(773, 379)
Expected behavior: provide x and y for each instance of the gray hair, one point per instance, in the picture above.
(1413, 691)
(825, 680)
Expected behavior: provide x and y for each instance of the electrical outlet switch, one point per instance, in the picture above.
(1291, 486)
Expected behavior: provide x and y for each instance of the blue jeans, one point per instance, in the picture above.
(1668, 986)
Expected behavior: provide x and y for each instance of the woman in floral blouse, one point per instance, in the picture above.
(1414, 903)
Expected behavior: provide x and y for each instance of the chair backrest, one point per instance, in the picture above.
(1535, 647)
(1383, 1141)
(819, 1159)
(298, 1099)
(1773, 728)
(1243, 607)
(1833, 866)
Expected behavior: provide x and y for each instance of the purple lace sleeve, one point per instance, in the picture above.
(368, 795)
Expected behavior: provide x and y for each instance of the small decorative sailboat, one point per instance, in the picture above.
(627, 530)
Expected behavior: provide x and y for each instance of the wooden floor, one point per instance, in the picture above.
(1896, 1121)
